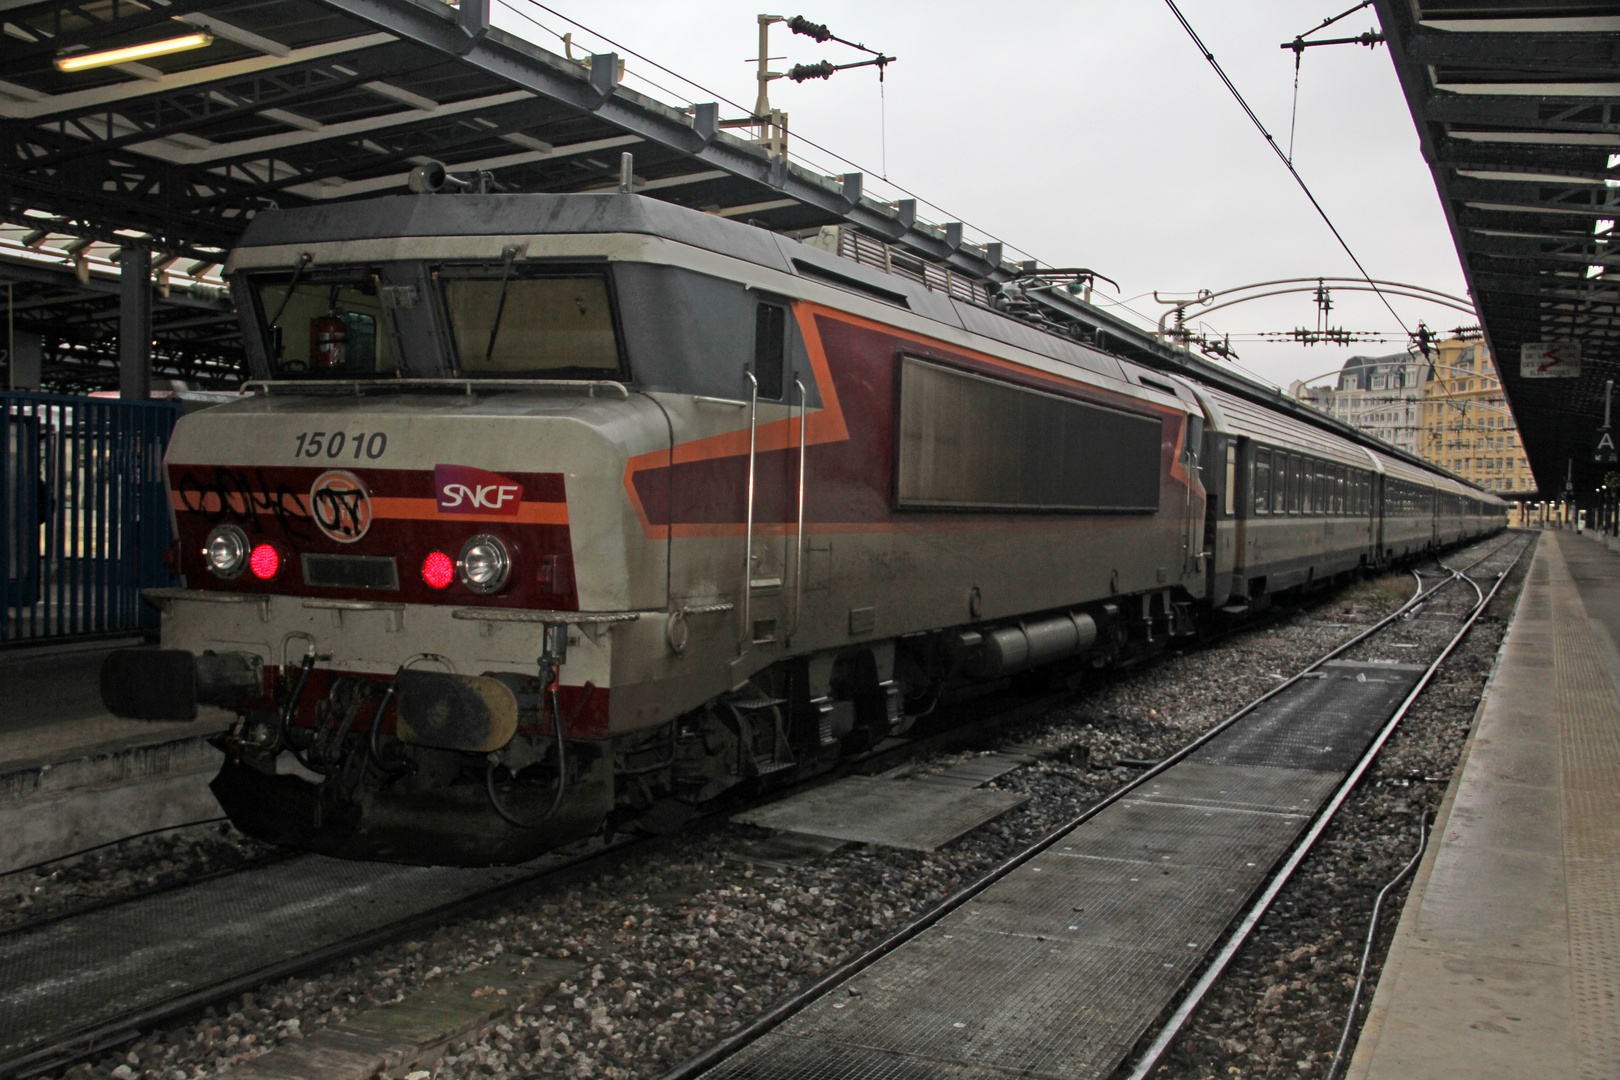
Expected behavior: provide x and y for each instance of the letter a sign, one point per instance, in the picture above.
(1605, 452)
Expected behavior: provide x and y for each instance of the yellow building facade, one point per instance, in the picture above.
(1466, 426)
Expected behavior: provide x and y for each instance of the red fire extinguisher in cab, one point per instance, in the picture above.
(328, 342)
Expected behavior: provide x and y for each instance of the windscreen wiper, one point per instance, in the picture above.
(303, 261)
(508, 254)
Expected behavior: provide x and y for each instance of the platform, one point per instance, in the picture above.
(1506, 961)
(72, 775)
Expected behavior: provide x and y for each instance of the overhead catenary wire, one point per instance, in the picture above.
(1281, 156)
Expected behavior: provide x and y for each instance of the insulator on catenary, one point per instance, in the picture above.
(801, 72)
(801, 25)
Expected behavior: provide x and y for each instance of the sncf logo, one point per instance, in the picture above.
(462, 489)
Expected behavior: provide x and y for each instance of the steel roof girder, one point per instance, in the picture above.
(15, 52)
(495, 55)
(86, 198)
(1544, 287)
(1534, 201)
(1588, 251)
(1584, 115)
(425, 138)
(1473, 154)
(1582, 198)
(163, 114)
(1561, 52)
(66, 279)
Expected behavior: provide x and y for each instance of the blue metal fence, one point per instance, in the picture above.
(83, 522)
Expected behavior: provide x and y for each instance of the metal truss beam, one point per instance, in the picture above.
(15, 270)
(1592, 199)
(1450, 148)
(60, 26)
(1537, 112)
(82, 133)
(698, 136)
(1536, 54)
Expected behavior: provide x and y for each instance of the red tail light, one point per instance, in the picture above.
(438, 570)
(265, 562)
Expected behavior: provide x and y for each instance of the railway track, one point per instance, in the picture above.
(78, 982)
(172, 954)
(789, 1037)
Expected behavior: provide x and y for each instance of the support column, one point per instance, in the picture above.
(135, 323)
(26, 360)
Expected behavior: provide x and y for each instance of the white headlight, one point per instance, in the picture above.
(485, 564)
(226, 551)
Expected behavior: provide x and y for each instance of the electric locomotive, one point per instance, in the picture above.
(553, 513)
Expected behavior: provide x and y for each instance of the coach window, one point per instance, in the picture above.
(1279, 483)
(1307, 481)
(770, 338)
(1295, 471)
(1262, 482)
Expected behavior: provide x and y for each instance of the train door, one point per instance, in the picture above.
(1192, 539)
(1378, 507)
(1221, 521)
(734, 495)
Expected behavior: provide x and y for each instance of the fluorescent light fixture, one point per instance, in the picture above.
(132, 53)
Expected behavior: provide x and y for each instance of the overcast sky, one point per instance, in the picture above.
(1093, 134)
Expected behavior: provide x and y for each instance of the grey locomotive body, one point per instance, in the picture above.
(557, 511)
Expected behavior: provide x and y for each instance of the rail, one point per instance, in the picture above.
(1149, 1058)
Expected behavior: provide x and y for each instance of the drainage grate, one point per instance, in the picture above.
(1322, 724)
(896, 813)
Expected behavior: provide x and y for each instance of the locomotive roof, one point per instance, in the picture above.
(513, 215)
(1259, 412)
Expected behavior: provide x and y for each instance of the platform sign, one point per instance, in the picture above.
(1604, 451)
(1550, 360)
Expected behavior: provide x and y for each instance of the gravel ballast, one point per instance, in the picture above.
(680, 947)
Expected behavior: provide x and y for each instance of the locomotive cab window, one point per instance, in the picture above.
(324, 326)
(510, 323)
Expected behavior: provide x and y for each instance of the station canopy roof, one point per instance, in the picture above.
(296, 102)
(1517, 104)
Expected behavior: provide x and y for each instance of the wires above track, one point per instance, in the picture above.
(798, 137)
(1283, 157)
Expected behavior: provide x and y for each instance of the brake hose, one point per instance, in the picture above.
(297, 695)
(552, 678)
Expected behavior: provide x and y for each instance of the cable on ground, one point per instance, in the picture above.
(1372, 935)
